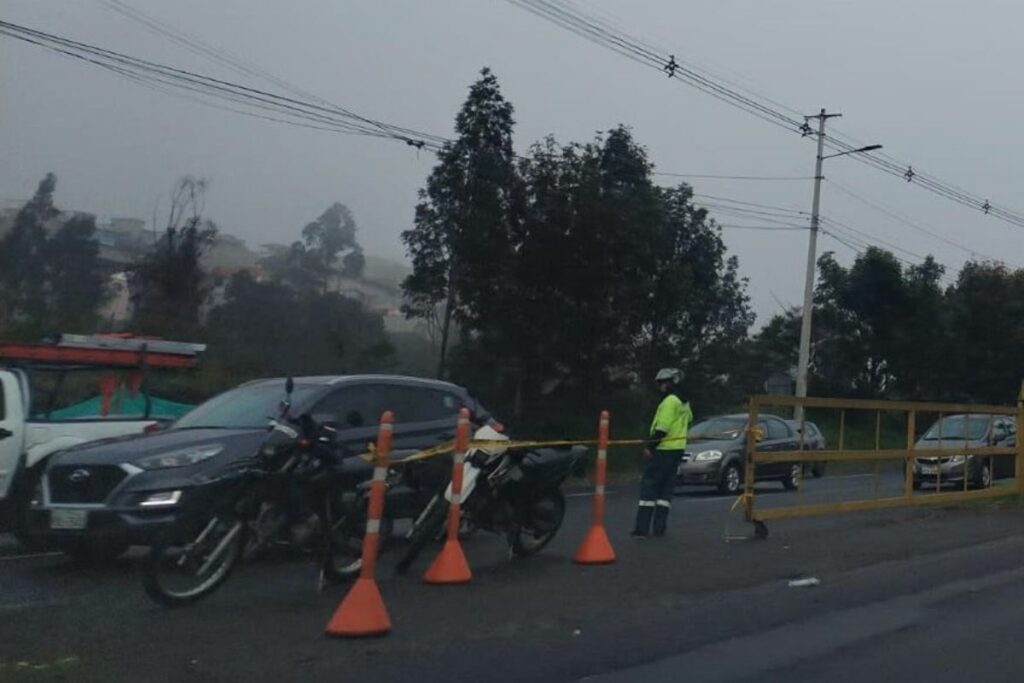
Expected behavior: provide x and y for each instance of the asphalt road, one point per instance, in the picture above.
(904, 594)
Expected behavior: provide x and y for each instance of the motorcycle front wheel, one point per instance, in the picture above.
(542, 519)
(188, 564)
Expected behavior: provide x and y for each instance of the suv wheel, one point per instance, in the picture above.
(732, 479)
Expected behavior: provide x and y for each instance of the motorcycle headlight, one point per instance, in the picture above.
(708, 456)
(180, 458)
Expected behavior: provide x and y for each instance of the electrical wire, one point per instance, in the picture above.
(576, 20)
(907, 222)
(189, 81)
(730, 177)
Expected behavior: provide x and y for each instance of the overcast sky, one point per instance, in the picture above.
(937, 82)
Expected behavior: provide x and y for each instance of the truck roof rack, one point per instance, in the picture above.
(103, 351)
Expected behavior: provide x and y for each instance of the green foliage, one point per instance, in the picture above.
(267, 329)
(51, 278)
(569, 272)
(309, 264)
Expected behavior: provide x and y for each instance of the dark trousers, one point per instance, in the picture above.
(656, 489)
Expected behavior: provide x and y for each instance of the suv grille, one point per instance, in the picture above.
(83, 484)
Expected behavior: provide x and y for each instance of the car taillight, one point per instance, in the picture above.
(155, 427)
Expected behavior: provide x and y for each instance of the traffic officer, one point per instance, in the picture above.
(663, 452)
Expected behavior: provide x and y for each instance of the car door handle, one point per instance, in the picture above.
(5, 433)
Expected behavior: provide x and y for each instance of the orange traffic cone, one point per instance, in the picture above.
(596, 548)
(450, 565)
(362, 612)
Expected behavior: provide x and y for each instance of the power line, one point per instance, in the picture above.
(900, 219)
(188, 81)
(241, 66)
(731, 177)
(576, 20)
(771, 228)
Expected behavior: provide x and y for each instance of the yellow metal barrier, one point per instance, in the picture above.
(909, 497)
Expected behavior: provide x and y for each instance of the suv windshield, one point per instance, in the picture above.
(246, 407)
(967, 427)
(719, 428)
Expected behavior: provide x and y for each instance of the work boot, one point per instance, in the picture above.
(660, 520)
(643, 520)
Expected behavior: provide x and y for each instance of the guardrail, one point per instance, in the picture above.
(949, 447)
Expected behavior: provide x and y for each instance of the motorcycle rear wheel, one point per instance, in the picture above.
(542, 520)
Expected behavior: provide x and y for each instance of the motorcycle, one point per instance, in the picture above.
(505, 491)
(295, 474)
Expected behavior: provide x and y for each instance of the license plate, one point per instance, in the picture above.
(927, 469)
(68, 519)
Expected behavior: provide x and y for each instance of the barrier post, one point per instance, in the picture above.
(362, 612)
(596, 548)
(1019, 465)
(450, 565)
(908, 462)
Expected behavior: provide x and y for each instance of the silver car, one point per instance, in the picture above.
(959, 434)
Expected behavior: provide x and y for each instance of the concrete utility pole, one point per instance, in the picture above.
(812, 257)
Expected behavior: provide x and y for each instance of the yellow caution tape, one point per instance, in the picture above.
(449, 446)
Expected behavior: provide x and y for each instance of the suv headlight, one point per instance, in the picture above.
(180, 458)
(708, 456)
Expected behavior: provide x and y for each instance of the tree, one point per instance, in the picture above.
(22, 251)
(310, 263)
(986, 307)
(75, 279)
(461, 242)
(307, 333)
(169, 285)
(51, 278)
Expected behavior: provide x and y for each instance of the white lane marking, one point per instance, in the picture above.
(33, 556)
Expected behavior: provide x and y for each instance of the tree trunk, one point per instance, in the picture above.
(445, 328)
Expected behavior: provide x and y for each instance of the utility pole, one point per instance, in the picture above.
(812, 255)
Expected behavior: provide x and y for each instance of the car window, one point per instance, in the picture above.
(354, 406)
(420, 404)
(1002, 428)
(777, 429)
(245, 407)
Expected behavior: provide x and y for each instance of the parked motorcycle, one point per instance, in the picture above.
(506, 491)
(294, 476)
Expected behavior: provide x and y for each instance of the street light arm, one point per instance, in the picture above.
(869, 148)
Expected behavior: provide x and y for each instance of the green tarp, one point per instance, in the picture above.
(124, 404)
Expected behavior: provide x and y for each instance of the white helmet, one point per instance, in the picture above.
(669, 375)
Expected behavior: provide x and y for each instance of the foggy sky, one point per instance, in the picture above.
(936, 82)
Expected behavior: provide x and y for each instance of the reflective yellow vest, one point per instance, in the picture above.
(673, 417)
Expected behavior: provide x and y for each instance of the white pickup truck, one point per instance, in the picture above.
(25, 443)
(29, 434)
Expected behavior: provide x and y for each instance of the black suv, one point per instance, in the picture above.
(99, 498)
